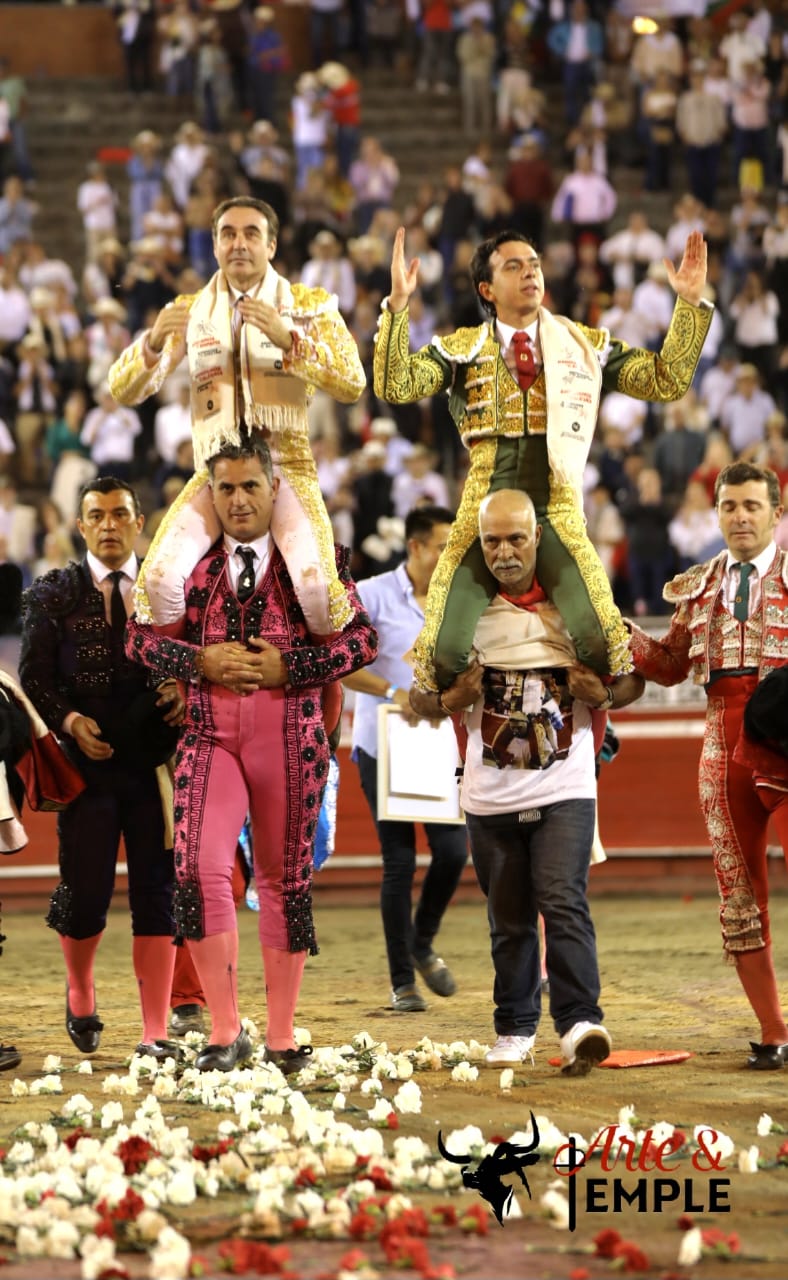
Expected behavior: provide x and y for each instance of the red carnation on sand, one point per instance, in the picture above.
(135, 1154)
(605, 1243)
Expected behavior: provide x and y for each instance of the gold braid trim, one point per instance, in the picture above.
(566, 519)
(463, 533)
(668, 375)
(140, 592)
(398, 376)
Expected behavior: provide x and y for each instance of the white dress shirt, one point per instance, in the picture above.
(235, 565)
(730, 587)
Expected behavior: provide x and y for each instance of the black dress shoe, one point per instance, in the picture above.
(85, 1032)
(288, 1060)
(160, 1050)
(767, 1057)
(223, 1057)
(9, 1057)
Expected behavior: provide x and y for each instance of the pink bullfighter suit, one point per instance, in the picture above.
(743, 785)
(241, 378)
(267, 751)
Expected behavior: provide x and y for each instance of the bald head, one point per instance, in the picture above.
(509, 537)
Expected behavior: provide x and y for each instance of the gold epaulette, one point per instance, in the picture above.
(464, 344)
(598, 338)
(309, 300)
(690, 584)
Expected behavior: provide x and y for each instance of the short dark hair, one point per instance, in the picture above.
(742, 473)
(480, 262)
(107, 484)
(420, 521)
(247, 202)
(251, 446)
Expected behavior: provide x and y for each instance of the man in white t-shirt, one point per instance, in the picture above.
(529, 793)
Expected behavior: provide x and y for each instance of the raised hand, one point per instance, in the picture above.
(172, 319)
(689, 280)
(404, 277)
(268, 320)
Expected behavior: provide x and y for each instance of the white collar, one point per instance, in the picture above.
(261, 546)
(762, 563)
(506, 332)
(99, 570)
(235, 294)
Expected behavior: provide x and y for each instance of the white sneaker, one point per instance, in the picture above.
(509, 1049)
(584, 1046)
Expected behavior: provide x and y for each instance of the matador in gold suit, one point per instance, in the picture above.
(533, 437)
(257, 347)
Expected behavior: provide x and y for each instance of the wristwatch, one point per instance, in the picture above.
(389, 694)
(607, 701)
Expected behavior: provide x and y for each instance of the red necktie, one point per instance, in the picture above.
(524, 357)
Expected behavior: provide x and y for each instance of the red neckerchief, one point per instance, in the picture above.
(529, 599)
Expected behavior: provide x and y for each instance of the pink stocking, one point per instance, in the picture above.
(154, 960)
(79, 954)
(756, 974)
(216, 961)
(283, 973)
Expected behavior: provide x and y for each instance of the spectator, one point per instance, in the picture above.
(656, 51)
(584, 199)
(13, 92)
(631, 251)
(476, 53)
(744, 415)
(16, 214)
(101, 278)
(578, 43)
(68, 456)
(750, 125)
(15, 309)
(109, 432)
(418, 483)
(106, 338)
(213, 88)
(266, 60)
(717, 456)
(148, 283)
(97, 203)
(146, 175)
(678, 451)
(178, 32)
(36, 398)
(457, 214)
(740, 48)
(653, 301)
(372, 493)
(165, 223)
(325, 29)
(372, 276)
(136, 31)
(650, 558)
(530, 184)
(172, 423)
(694, 530)
(701, 124)
(718, 383)
(330, 269)
(519, 106)
(17, 528)
(384, 32)
(756, 311)
(343, 104)
(622, 319)
(658, 107)
(198, 220)
(185, 161)
(374, 177)
(437, 46)
(605, 527)
(309, 126)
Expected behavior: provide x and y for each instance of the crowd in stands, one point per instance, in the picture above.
(556, 98)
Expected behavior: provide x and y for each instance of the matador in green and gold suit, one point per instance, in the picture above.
(537, 441)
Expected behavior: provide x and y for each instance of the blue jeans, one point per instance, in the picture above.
(524, 867)
(410, 933)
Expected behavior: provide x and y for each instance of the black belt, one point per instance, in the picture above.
(722, 673)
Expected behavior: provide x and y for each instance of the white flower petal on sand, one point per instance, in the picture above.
(556, 1207)
(506, 1080)
(714, 1142)
(748, 1160)
(764, 1125)
(171, 1256)
(407, 1099)
(690, 1248)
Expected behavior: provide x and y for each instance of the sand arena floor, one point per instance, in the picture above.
(664, 987)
